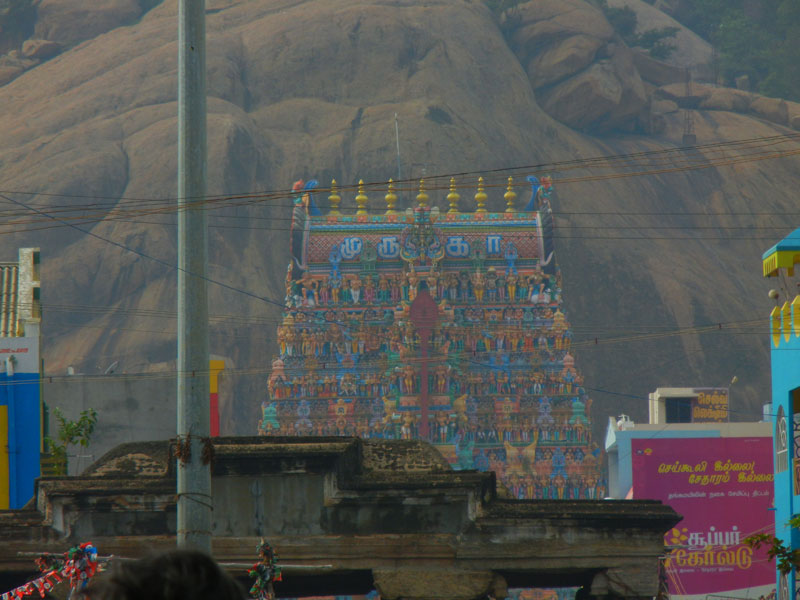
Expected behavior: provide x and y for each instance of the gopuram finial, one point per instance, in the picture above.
(510, 196)
(361, 199)
(334, 199)
(422, 197)
(391, 199)
(480, 197)
(453, 197)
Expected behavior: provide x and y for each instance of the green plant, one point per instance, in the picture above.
(624, 21)
(70, 433)
(757, 38)
(786, 557)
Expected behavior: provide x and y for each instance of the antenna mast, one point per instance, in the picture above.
(689, 137)
(397, 139)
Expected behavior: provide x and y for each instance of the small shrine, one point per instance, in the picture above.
(441, 326)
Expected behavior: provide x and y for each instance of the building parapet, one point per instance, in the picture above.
(785, 325)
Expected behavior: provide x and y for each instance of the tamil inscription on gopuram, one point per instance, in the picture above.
(441, 325)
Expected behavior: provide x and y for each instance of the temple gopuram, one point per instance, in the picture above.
(441, 326)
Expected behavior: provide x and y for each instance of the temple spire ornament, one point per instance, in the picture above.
(361, 199)
(480, 197)
(422, 197)
(334, 199)
(453, 197)
(391, 199)
(510, 196)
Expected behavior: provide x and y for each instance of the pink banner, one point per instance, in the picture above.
(723, 488)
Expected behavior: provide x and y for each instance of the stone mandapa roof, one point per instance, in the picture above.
(380, 507)
(133, 459)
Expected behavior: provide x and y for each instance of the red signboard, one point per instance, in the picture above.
(723, 488)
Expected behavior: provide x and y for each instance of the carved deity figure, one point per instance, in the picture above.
(334, 258)
(396, 291)
(463, 285)
(491, 284)
(452, 286)
(335, 285)
(383, 289)
(510, 255)
(511, 284)
(478, 285)
(269, 417)
(433, 283)
(369, 291)
(324, 292)
(413, 280)
(289, 282)
(408, 380)
(355, 289)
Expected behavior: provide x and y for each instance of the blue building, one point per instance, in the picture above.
(20, 379)
(781, 259)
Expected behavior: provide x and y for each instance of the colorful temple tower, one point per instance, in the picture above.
(441, 326)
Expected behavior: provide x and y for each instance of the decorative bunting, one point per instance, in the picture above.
(78, 565)
(265, 572)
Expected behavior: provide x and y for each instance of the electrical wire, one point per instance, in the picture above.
(546, 166)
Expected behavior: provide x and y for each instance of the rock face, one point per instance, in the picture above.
(584, 76)
(607, 95)
(310, 89)
(707, 97)
(70, 22)
(40, 49)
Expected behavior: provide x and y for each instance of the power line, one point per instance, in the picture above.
(142, 254)
(591, 162)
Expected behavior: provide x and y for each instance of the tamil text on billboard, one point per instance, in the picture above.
(723, 489)
(710, 405)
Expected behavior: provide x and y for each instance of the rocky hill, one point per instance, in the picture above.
(308, 88)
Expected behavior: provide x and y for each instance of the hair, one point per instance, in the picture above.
(172, 575)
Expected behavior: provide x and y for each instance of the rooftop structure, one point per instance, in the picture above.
(20, 311)
(20, 372)
(689, 405)
(441, 326)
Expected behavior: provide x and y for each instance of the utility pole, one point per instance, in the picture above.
(194, 473)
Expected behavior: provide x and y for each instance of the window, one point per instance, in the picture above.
(679, 410)
(781, 442)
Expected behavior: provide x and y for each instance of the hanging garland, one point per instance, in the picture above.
(77, 565)
(81, 565)
(265, 572)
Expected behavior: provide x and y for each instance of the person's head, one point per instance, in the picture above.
(173, 575)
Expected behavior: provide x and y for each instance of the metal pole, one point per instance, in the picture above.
(397, 139)
(194, 477)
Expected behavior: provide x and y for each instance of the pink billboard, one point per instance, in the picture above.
(723, 489)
